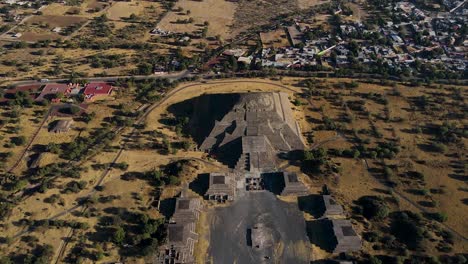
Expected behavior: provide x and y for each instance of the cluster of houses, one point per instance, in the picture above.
(14, 13)
(56, 92)
(414, 35)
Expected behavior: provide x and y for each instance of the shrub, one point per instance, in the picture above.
(121, 166)
(439, 217)
(407, 230)
(312, 160)
(118, 236)
(173, 180)
(371, 236)
(374, 260)
(18, 141)
(53, 148)
(439, 147)
(373, 207)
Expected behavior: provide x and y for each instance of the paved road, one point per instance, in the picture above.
(171, 76)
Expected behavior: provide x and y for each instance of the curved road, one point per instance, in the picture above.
(168, 96)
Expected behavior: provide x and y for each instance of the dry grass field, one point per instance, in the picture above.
(304, 4)
(274, 39)
(52, 21)
(375, 122)
(219, 15)
(258, 12)
(55, 9)
(120, 10)
(439, 169)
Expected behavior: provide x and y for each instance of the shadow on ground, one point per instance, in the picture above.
(312, 204)
(203, 111)
(200, 184)
(320, 233)
(274, 182)
(167, 207)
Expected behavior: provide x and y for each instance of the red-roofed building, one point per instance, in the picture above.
(52, 91)
(97, 89)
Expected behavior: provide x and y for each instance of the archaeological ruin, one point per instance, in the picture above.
(249, 138)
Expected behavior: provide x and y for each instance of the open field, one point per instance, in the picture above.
(55, 21)
(274, 39)
(304, 4)
(256, 13)
(120, 10)
(77, 60)
(220, 17)
(55, 9)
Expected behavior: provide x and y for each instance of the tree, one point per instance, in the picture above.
(44, 255)
(407, 230)
(312, 160)
(374, 260)
(373, 207)
(173, 180)
(439, 216)
(5, 260)
(119, 235)
(18, 141)
(53, 148)
(145, 68)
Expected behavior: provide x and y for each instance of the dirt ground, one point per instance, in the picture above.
(304, 4)
(274, 39)
(258, 12)
(355, 180)
(359, 13)
(220, 17)
(120, 10)
(55, 9)
(56, 20)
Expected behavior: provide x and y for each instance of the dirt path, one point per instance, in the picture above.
(62, 249)
(28, 146)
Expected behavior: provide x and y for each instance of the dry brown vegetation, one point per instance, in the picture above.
(387, 113)
(219, 17)
(274, 39)
(371, 115)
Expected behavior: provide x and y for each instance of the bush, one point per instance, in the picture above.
(371, 236)
(373, 207)
(439, 217)
(121, 166)
(439, 147)
(53, 148)
(18, 141)
(374, 260)
(173, 180)
(118, 236)
(407, 230)
(312, 160)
